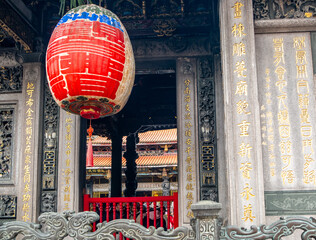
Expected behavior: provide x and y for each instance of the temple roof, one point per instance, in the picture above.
(142, 161)
(167, 136)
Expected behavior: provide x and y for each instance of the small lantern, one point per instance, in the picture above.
(90, 63)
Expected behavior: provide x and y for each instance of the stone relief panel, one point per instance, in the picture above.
(276, 9)
(49, 164)
(10, 79)
(207, 130)
(6, 140)
(7, 206)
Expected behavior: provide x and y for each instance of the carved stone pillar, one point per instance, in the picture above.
(187, 137)
(116, 168)
(131, 171)
(205, 223)
(30, 137)
(68, 162)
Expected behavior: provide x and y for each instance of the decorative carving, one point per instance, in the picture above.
(48, 202)
(277, 230)
(6, 132)
(7, 206)
(275, 9)
(207, 229)
(78, 226)
(50, 148)
(164, 27)
(190, 47)
(165, 8)
(11, 79)
(131, 168)
(128, 9)
(207, 130)
(8, 59)
(186, 67)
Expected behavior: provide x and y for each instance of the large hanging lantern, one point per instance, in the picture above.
(90, 63)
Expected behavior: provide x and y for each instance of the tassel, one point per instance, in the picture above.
(89, 159)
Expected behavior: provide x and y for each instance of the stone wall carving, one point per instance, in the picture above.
(7, 206)
(276, 9)
(6, 135)
(207, 129)
(78, 226)
(50, 147)
(10, 78)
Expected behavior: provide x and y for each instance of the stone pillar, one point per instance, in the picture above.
(68, 166)
(206, 224)
(241, 111)
(187, 138)
(131, 171)
(116, 168)
(31, 139)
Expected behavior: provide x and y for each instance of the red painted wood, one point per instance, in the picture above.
(139, 200)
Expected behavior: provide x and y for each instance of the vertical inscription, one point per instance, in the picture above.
(303, 92)
(28, 151)
(190, 185)
(67, 170)
(244, 117)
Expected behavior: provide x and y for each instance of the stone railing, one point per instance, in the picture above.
(205, 226)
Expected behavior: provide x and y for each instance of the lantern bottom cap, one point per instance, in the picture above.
(90, 112)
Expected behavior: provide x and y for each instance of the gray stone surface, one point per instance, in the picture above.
(68, 162)
(187, 138)
(287, 111)
(245, 205)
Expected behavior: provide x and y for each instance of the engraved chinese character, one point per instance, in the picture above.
(26, 207)
(246, 193)
(281, 84)
(189, 187)
(303, 100)
(246, 168)
(306, 131)
(237, 7)
(244, 150)
(308, 143)
(187, 82)
(278, 51)
(248, 213)
(286, 159)
(239, 49)
(242, 88)
(187, 116)
(244, 127)
(26, 217)
(287, 176)
(283, 117)
(284, 131)
(308, 160)
(302, 87)
(285, 146)
(299, 43)
(280, 71)
(304, 116)
(238, 30)
(282, 99)
(309, 177)
(300, 57)
(30, 86)
(240, 69)
(301, 71)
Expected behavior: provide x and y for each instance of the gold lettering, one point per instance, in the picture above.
(248, 213)
(244, 150)
(246, 168)
(278, 51)
(299, 43)
(240, 69)
(242, 88)
(244, 127)
(238, 30)
(237, 7)
(246, 193)
(239, 49)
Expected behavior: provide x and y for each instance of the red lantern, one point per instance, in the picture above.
(90, 63)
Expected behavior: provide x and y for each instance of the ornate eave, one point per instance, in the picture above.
(17, 27)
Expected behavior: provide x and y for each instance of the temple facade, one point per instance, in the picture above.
(243, 104)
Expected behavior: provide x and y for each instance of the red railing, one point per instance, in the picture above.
(148, 211)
